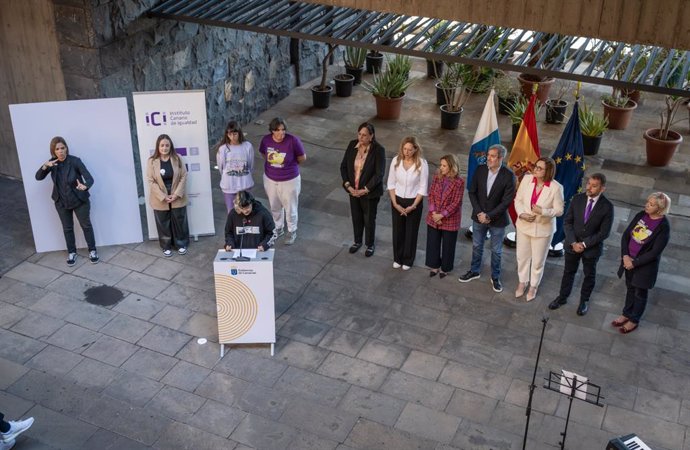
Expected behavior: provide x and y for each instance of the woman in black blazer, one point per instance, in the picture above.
(362, 170)
(641, 246)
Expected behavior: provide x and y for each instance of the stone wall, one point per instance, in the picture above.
(109, 48)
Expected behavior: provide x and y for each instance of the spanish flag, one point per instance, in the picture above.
(525, 151)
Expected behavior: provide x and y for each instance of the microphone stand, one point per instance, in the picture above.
(240, 257)
(532, 386)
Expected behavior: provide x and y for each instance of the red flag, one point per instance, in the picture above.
(525, 151)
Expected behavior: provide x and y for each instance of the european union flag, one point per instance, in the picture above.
(570, 166)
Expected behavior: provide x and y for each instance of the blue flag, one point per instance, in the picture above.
(485, 136)
(570, 166)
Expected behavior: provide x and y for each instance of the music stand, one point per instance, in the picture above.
(574, 386)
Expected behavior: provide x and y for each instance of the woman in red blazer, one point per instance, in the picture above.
(443, 218)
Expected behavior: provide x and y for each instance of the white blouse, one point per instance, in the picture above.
(408, 183)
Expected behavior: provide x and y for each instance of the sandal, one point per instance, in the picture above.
(619, 322)
(625, 330)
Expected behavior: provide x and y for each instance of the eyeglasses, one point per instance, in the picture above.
(539, 168)
(233, 132)
(278, 129)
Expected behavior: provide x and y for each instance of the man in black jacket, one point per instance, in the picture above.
(491, 192)
(249, 224)
(587, 224)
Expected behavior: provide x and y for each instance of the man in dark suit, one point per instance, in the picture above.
(587, 224)
(491, 192)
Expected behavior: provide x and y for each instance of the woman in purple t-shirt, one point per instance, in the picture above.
(283, 152)
(641, 246)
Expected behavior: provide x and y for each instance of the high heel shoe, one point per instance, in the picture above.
(519, 292)
(531, 293)
(442, 274)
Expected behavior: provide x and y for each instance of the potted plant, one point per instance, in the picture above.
(446, 82)
(662, 142)
(354, 58)
(592, 127)
(374, 61)
(516, 112)
(343, 84)
(618, 109)
(321, 93)
(479, 78)
(556, 107)
(507, 92)
(527, 82)
(543, 82)
(388, 89)
(437, 35)
(462, 79)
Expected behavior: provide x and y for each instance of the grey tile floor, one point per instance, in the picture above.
(366, 356)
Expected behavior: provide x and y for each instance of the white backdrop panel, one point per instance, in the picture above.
(182, 116)
(97, 131)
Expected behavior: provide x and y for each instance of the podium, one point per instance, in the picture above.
(245, 301)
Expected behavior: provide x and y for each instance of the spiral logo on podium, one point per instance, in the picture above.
(237, 308)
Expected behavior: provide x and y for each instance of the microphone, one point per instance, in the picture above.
(240, 257)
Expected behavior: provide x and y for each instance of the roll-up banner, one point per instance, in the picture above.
(96, 131)
(182, 116)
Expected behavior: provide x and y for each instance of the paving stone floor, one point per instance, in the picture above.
(366, 356)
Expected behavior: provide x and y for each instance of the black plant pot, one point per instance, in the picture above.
(555, 111)
(343, 85)
(450, 120)
(430, 72)
(321, 99)
(374, 62)
(505, 105)
(515, 129)
(590, 144)
(440, 98)
(355, 72)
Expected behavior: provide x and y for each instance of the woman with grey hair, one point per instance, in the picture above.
(642, 243)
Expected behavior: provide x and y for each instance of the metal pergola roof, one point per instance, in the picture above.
(619, 64)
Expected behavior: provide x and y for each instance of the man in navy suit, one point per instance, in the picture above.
(491, 192)
(587, 224)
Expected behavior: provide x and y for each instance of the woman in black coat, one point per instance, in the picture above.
(362, 170)
(641, 246)
(71, 183)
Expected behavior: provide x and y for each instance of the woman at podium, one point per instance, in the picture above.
(249, 224)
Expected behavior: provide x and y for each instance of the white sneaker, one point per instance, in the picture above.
(71, 259)
(7, 445)
(182, 251)
(396, 265)
(16, 428)
(167, 253)
(404, 267)
(292, 235)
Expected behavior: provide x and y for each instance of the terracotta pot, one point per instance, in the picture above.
(633, 95)
(527, 81)
(321, 99)
(660, 152)
(388, 108)
(619, 118)
(450, 120)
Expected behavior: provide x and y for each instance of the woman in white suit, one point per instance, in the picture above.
(539, 200)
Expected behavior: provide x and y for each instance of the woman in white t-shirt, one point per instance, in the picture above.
(235, 158)
(408, 179)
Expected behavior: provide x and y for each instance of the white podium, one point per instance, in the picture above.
(245, 299)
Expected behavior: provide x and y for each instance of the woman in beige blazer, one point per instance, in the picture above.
(167, 178)
(539, 200)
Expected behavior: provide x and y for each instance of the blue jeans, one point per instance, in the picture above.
(478, 236)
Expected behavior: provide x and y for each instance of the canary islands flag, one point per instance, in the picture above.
(485, 136)
(570, 166)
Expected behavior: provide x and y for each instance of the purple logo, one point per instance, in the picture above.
(156, 119)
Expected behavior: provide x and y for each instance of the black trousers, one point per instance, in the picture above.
(4, 426)
(172, 227)
(589, 267)
(440, 248)
(83, 213)
(363, 210)
(405, 232)
(635, 299)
